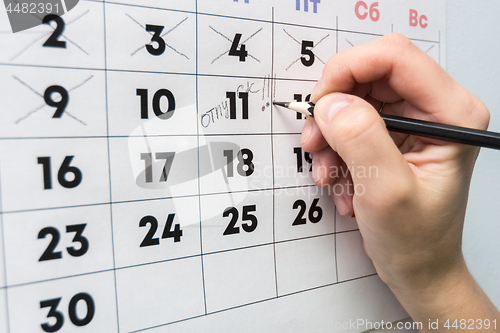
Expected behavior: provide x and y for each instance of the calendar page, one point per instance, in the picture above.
(148, 183)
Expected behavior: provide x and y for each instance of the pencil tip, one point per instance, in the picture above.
(283, 104)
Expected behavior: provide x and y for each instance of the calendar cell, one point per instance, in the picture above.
(49, 173)
(186, 5)
(236, 220)
(50, 244)
(78, 304)
(151, 104)
(236, 106)
(287, 121)
(51, 102)
(352, 260)
(292, 165)
(345, 223)
(303, 52)
(420, 20)
(432, 49)
(153, 167)
(236, 47)
(78, 36)
(3, 311)
(151, 231)
(305, 212)
(159, 294)
(236, 163)
(305, 264)
(239, 277)
(146, 39)
(254, 9)
(367, 16)
(350, 39)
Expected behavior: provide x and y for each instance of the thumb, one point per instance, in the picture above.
(353, 128)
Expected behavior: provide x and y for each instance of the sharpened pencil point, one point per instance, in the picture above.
(283, 104)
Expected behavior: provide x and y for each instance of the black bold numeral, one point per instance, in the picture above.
(300, 166)
(84, 243)
(73, 303)
(149, 239)
(298, 98)
(176, 234)
(61, 174)
(306, 51)
(232, 104)
(148, 165)
(50, 253)
(90, 309)
(143, 94)
(245, 165)
(52, 303)
(157, 29)
(231, 228)
(60, 105)
(242, 52)
(53, 39)
(315, 212)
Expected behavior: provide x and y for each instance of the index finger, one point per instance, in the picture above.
(410, 73)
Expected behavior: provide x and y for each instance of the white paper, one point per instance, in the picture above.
(163, 192)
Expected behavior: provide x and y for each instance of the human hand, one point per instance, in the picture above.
(410, 193)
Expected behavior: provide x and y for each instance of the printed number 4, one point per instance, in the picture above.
(242, 52)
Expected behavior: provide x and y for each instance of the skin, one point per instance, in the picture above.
(410, 211)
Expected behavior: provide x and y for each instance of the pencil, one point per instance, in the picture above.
(428, 129)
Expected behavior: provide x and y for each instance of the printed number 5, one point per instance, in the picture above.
(307, 52)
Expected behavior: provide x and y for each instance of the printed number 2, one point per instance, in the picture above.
(53, 39)
(248, 227)
(242, 52)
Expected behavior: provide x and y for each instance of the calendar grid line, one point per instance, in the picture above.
(199, 172)
(142, 136)
(161, 198)
(109, 168)
(4, 259)
(272, 156)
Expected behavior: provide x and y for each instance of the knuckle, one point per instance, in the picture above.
(398, 41)
(357, 126)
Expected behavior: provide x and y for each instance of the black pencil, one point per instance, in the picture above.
(428, 129)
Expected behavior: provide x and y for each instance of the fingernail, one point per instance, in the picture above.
(316, 90)
(332, 105)
(306, 132)
(341, 203)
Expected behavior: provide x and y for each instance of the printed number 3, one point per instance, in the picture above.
(157, 29)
